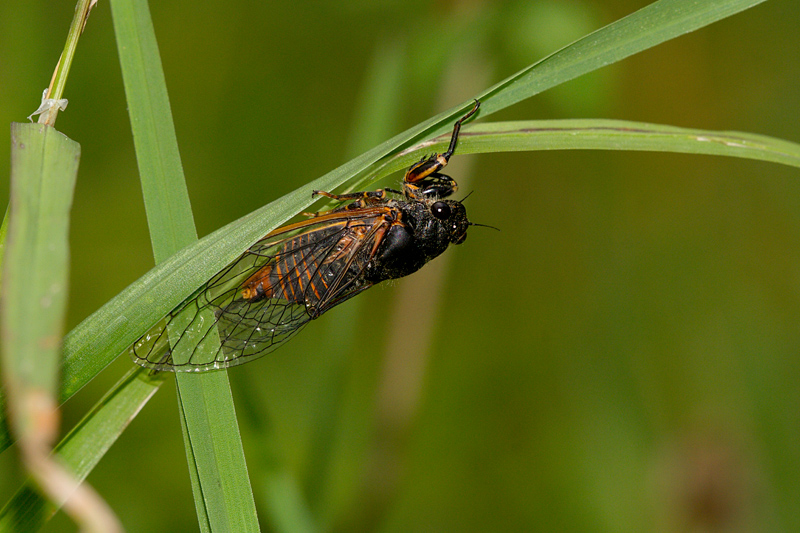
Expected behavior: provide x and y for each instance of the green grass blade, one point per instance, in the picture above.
(36, 264)
(5, 434)
(169, 214)
(84, 446)
(646, 28)
(597, 134)
(44, 168)
(220, 483)
(108, 332)
(208, 426)
(603, 134)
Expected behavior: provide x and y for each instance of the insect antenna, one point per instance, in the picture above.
(465, 198)
(483, 225)
(475, 223)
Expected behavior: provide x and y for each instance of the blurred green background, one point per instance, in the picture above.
(622, 356)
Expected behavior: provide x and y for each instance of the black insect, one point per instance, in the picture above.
(301, 270)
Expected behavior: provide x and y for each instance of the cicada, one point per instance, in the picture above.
(301, 270)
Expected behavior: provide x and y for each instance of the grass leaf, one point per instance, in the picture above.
(646, 28)
(84, 446)
(220, 484)
(94, 343)
(604, 134)
(109, 331)
(36, 262)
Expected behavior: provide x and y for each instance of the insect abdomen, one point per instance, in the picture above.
(290, 276)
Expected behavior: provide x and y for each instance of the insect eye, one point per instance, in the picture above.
(440, 210)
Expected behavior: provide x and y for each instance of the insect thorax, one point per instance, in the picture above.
(408, 246)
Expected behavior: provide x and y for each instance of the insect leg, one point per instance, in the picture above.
(380, 194)
(432, 165)
(457, 129)
(362, 199)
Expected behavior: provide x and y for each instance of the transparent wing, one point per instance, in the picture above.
(264, 297)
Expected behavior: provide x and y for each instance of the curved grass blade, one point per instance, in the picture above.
(604, 134)
(595, 134)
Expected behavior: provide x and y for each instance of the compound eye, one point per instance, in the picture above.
(440, 210)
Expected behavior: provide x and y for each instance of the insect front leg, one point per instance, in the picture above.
(362, 199)
(432, 186)
(423, 179)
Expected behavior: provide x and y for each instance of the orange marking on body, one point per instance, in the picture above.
(322, 279)
(313, 287)
(285, 281)
(414, 174)
(293, 268)
(300, 275)
(381, 231)
(259, 279)
(281, 279)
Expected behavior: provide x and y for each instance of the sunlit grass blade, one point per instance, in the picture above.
(220, 483)
(36, 262)
(169, 214)
(603, 134)
(596, 134)
(84, 446)
(44, 168)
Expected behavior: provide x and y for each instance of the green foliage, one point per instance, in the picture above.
(211, 429)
